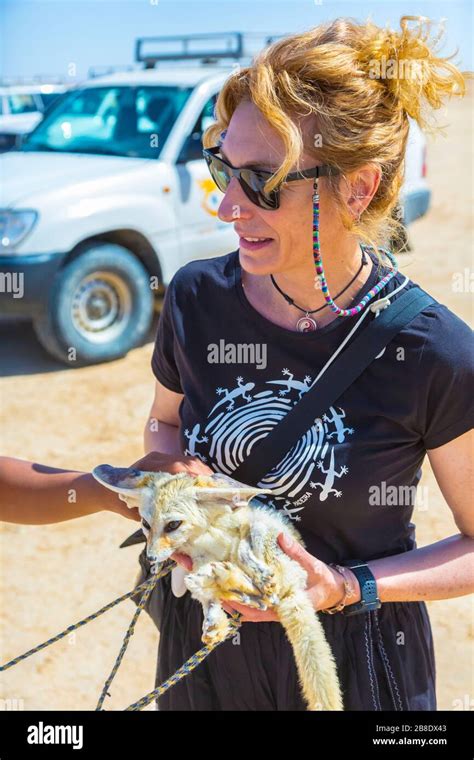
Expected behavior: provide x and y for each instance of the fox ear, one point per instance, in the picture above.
(128, 481)
(221, 486)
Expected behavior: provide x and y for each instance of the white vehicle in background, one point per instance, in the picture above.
(110, 194)
(415, 195)
(22, 107)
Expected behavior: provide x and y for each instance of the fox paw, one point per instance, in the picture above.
(213, 635)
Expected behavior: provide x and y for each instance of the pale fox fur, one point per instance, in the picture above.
(236, 557)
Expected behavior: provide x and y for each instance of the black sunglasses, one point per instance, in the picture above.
(252, 181)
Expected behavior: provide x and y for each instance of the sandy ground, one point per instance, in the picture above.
(54, 575)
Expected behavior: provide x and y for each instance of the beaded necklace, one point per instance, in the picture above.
(308, 323)
(320, 270)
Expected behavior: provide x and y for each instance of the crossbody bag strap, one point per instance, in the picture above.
(337, 378)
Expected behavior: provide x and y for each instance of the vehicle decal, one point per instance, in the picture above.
(211, 196)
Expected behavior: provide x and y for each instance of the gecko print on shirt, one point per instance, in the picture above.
(245, 414)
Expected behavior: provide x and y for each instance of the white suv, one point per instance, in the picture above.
(110, 194)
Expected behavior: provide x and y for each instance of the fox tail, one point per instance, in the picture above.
(314, 659)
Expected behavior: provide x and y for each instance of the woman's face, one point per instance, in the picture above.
(251, 140)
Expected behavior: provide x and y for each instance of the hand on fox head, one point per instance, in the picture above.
(156, 461)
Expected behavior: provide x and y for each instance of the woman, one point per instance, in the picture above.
(242, 336)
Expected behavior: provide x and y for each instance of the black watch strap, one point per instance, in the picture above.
(368, 589)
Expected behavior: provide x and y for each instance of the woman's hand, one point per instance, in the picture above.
(325, 586)
(156, 461)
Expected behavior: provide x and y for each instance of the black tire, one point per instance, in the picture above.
(100, 306)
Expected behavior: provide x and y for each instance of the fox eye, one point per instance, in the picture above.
(173, 525)
(145, 524)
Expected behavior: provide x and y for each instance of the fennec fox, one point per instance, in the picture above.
(236, 557)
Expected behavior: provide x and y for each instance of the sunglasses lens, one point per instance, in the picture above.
(218, 173)
(255, 183)
(250, 181)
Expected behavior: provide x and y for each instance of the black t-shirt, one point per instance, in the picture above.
(349, 484)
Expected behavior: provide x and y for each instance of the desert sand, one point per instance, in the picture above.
(54, 575)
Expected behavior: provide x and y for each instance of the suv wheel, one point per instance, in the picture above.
(100, 307)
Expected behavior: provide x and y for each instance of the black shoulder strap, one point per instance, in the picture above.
(337, 378)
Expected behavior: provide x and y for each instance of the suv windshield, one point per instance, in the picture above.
(119, 121)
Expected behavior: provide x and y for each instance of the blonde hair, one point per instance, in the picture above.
(353, 78)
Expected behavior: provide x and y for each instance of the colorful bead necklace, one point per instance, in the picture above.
(320, 279)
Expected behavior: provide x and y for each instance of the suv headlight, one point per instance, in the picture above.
(14, 226)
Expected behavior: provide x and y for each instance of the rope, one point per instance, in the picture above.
(148, 583)
(185, 669)
(149, 586)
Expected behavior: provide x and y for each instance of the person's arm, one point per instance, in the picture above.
(162, 427)
(162, 446)
(443, 570)
(35, 494)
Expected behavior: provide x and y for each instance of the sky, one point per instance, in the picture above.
(66, 37)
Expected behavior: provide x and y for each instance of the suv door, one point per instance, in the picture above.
(202, 233)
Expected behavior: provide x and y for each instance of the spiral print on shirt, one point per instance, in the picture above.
(245, 414)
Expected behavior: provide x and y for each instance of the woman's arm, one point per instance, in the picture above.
(162, 427)
(161, 438)
(445, 569)
(453, 467)
(35, 494)
(438, 571)
(442, 570)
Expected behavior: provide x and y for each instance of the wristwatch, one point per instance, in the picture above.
(368, 589)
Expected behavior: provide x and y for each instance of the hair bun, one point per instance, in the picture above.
(408, 65)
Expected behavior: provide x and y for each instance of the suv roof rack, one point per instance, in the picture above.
(187, 47)
(182, 48)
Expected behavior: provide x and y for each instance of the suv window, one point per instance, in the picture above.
(22, 103)
(120, 121)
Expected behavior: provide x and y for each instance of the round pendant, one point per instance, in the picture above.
(306, 324)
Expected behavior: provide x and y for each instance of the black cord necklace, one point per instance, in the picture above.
(307, 323)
